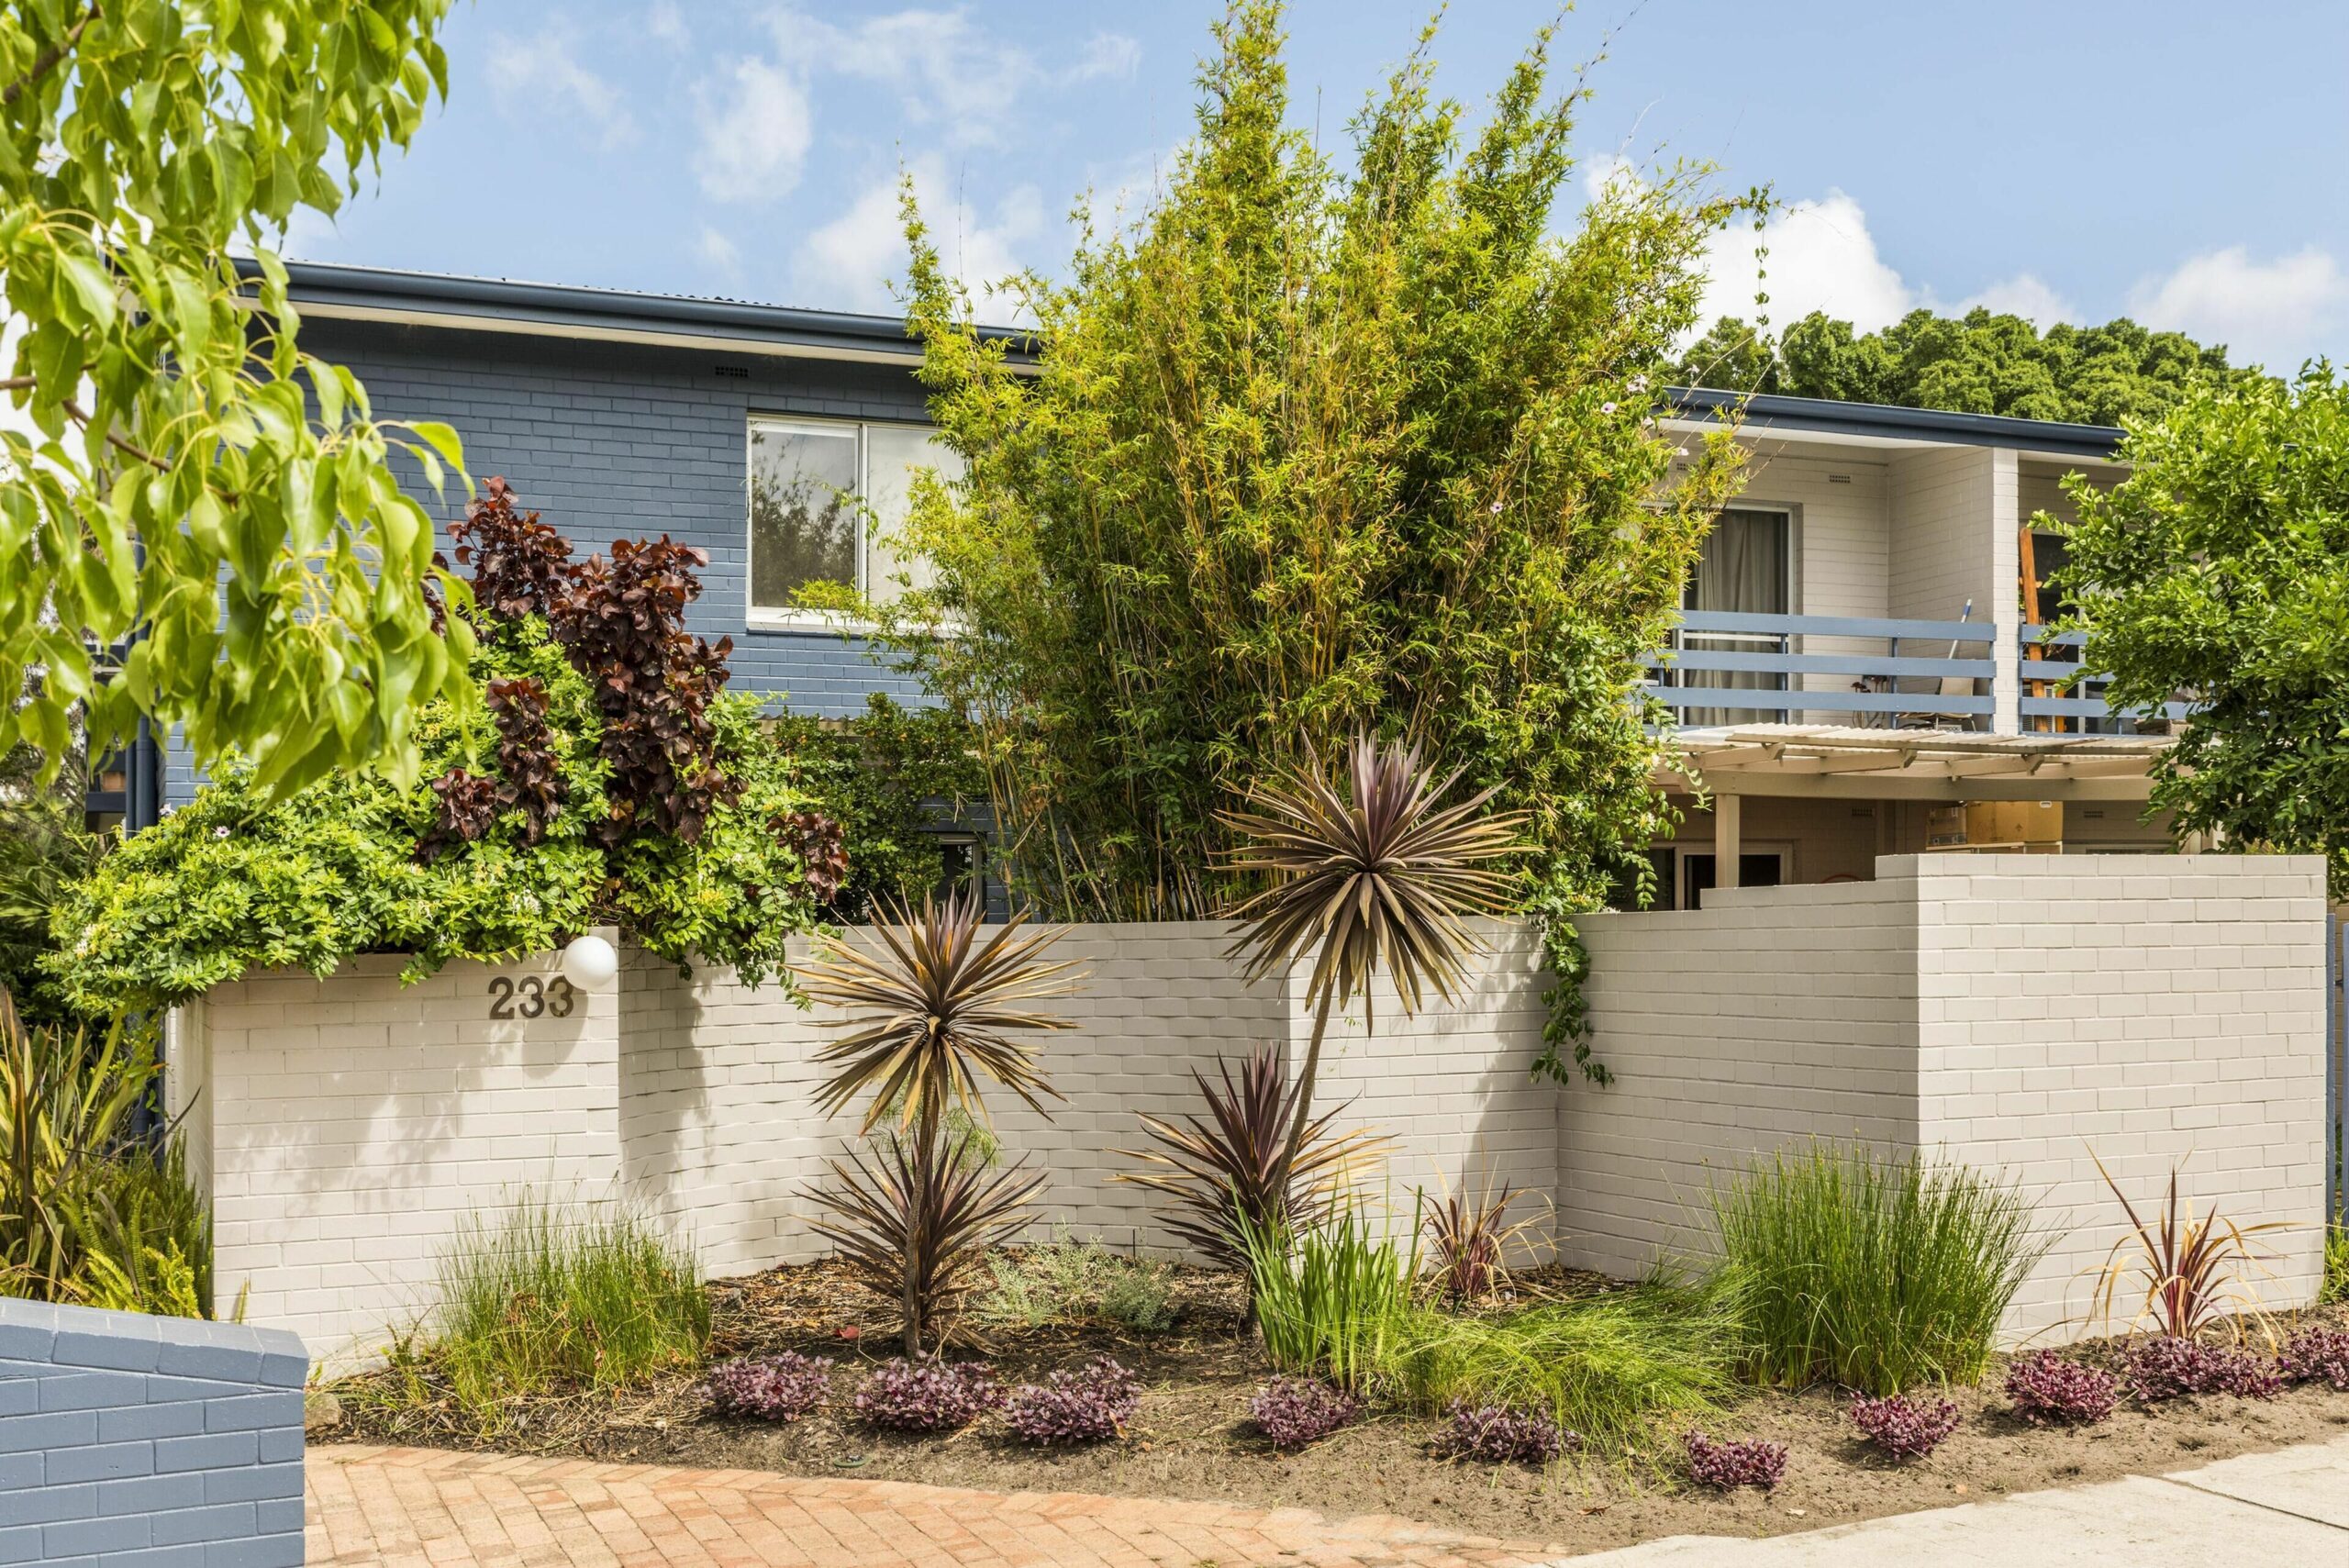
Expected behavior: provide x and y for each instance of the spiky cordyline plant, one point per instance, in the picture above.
(2192, 1268)
(929, 1015)
(1224, 1170)
(1469, 1236)
(1369, 874)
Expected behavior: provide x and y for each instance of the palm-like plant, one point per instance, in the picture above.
(927, 1017)
(66, 1105)
(1369, 874)
(2193, 1268)
(1224, 1170)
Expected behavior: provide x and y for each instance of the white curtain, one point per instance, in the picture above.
(1743, 570)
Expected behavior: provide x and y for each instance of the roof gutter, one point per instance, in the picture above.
(496, 305)
(1762, 412)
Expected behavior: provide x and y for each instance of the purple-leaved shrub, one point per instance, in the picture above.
(2317, 1355)
(770, 1388)
(2165, 1367)
(1092, 1403)
(1499, 1435)
(1904, 1428)
(928, 1394)
(1735, 1463)
(1294, 1411)
(2046, 1389)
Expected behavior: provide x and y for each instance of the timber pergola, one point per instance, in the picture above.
(1828, 762)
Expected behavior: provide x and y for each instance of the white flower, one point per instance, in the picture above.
(220, 832)
(1497, 509)
(1606, 408)
(1638, 383)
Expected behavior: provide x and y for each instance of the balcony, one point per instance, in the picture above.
(1728, 668)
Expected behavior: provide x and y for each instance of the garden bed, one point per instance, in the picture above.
(1191, 1438)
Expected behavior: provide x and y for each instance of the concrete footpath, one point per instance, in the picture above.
(2286, 1509)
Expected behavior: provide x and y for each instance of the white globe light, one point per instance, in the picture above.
(589, 963)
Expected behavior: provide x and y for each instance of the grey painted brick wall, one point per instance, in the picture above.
(157, 1442)
(621, 440)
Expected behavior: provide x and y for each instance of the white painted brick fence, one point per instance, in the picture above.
(2014, 1011)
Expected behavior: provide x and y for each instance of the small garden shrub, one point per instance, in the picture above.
(2046, 1390)
(1294, 1411)
(2317, 1355)
(1073, 1282)
(2164, 1368)
(1733, 1463)
(770, 1388)
(549, 1295)
(1606, 1367)
(1499, 1435)
(2336, 1264)
(1873, 1274)
(928, 1394)
(1904, 1428)
(1089, 1404)
(1332, 1299)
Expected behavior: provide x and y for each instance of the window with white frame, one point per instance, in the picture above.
(826, 499)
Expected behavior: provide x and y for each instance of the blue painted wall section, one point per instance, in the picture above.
(614, 441)
(160, 1441)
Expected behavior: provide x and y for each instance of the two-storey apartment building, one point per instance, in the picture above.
(1858, 662)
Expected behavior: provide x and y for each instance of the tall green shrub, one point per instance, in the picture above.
(1319, 442)
(1870, 1273)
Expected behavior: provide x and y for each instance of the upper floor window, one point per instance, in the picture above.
(820, 492)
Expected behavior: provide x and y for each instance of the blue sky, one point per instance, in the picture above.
(2187, 164)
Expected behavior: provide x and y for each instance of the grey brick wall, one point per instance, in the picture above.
(158, 1441)
(616, 441)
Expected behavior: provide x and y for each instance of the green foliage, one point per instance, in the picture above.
(547, 1296)
(2336, 1264)
(1980, 362)
(237, 880)
(1871, 1274)
(204, 483)
(1070, 1282)
(2218, 572)
(44, 850)
(1317, 443)
(1333, 1299)
(1609, 1368)
(89, 1212)
(876, 777)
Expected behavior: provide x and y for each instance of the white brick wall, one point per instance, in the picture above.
(2011, 1010)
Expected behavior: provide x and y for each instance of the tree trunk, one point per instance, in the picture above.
(917, 1239)
(1304, 1113)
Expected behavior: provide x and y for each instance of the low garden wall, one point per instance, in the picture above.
(2016, 1010)
(157, 1441)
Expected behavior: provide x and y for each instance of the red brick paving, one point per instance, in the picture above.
(423, 1508)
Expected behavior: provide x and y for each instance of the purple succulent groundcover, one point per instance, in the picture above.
(2317, 1355)
(1904, 1428)
(1734, 1463)
(1294, 1411)
(770, 1388)
(1092, 1403)
(2047, 1389)
(2166, 1368)
(928, 1394)
(1502, 1435)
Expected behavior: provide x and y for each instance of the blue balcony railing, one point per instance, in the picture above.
(1725, 667)
(2052, 658)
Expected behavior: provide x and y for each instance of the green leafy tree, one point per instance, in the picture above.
(194, 477)
(1314, 446)
(2219, 571)
(1981, 362)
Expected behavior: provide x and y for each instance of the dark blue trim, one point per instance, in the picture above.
(1771, 412)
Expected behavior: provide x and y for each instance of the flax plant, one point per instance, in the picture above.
(2194, 1269)
(926, 1017)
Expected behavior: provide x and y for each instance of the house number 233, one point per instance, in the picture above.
(530, 997)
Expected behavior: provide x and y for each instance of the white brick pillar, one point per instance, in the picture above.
(2006, 591)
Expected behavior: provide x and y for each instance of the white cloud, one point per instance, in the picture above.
(717, 253)
(946, 71)
(1820, 256)
(851, 262)
(542, 69)
(755, 135)
(2268, 313)
(666, 24)
(2025, 294)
